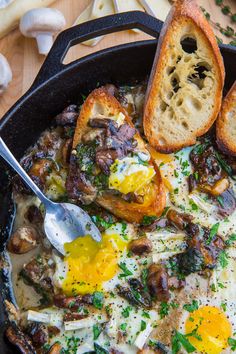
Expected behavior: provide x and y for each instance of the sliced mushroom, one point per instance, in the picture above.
(23, 240)
(5, 74)
(157, 282)
(179, 220)
(55, 349)
(140, 246)
(42, 24)
(19, 340)
(66, 151)
(38, 333)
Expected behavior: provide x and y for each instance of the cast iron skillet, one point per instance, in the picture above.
(58, 85)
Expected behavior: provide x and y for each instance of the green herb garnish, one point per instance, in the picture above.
(98, 299)
(213, 232)
(126, 271)
(179, 340)
(191, 307)
(97, 330)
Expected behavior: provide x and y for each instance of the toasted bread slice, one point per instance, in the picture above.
(226, 123)
(185, 88)
(101, 104)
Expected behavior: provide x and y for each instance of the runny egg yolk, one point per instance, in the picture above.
(128, 175)
(90, 263)
(212, 330)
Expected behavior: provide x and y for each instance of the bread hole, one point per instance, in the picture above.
(185, 125)
(169, 95)
(193, 103)
(199, 75)
(101, 6)
(175, 83)
(170, 70)
(204, 96)
(179, 102)
(178, 59)
(189, 44)
(163, 106)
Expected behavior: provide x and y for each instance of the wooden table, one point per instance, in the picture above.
(25, 60)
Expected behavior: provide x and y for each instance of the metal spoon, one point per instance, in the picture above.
(63, 222)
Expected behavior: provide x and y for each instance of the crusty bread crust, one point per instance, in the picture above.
(226, 124)
(184, 16)
(100, 102)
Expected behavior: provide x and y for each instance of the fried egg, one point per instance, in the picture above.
(131, 174)
(89, 264)
(212, 328)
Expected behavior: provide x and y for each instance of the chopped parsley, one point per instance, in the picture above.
(143, 325)
(223, 306)
(176, 174)
(232, 343)
(72, 344)
(101, 222)
(97, 330)
(145, 314)
(179, 340)
(123, 326)
(223, 259)
(231, 240)
(193, 205)
(220, 200)
(71, 304)
(123, 231)
(213, 232)
(196, 175)
(99, 350)
(126, 311)
(191, 307)
(165, 308)
(165, 211)
(144, 276)
(148, 220)
(98, 299)
(126, 271)
(184, 166)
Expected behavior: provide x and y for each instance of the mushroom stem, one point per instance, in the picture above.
(45, 42)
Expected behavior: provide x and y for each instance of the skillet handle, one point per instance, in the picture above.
(114, 23)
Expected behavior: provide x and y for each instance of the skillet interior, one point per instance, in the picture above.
(22, 125)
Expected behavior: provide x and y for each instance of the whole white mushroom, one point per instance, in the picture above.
(42, 24)
(5, 74)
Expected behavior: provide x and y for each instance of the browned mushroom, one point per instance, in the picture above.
(66, 151)
(38, 333)
(23, 240)
(140, 246)
(55, 349)
(157, 282)
(179, 220)
(20, 340)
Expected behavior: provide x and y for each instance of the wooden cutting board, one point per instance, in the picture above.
(25, 60)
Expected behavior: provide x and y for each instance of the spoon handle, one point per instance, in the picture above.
(10, 159)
